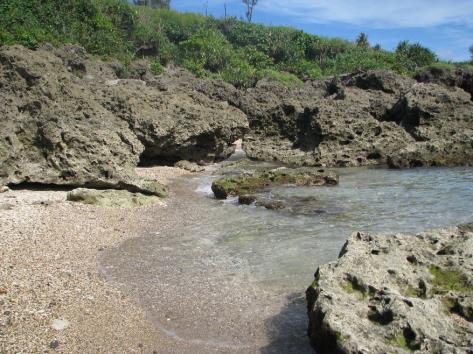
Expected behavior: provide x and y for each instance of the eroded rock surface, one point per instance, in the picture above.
(352, 121)
(68, 119)
(396, 294)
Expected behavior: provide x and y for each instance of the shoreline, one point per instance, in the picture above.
(55, 294)
(49, 250)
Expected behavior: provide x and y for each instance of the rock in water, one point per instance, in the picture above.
(259, 180)
(396, 294)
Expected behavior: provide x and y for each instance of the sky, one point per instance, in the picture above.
(445, 26)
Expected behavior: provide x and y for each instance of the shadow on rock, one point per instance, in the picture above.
(288, 329)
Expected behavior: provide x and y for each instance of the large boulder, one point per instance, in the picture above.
(175, 126)
(64, 124)
(396, 294)
(441, 122)
(53, 129)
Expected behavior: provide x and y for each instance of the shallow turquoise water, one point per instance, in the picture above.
(234, 276)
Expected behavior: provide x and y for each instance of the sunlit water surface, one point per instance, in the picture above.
(233, 277)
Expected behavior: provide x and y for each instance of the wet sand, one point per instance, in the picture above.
(49, 272)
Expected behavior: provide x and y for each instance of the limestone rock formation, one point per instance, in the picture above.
(70, 120)
(352, 121)
(458, 77)
(396, 294)
(441, 122)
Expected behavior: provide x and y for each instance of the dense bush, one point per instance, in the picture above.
(230, 49)
(414, 55)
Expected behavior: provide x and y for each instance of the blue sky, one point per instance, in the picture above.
(446, 26)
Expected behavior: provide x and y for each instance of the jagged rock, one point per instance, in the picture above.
(67, 129)
(53, 129)
(259, 180)
(247, 199)
(458, 77)
(337, 122)
(140, 69)
(395, 294)
(441, 122)
(175, 126)
(111, 198)
(4, 189)
(381, 80)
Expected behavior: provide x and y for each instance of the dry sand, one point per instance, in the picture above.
(53, 297)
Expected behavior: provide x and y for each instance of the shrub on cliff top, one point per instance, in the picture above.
(234, 50)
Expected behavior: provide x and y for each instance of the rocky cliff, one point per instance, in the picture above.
(396, 294)
(71, 119)
(366, 118)
(67, 119)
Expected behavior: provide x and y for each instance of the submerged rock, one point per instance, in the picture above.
(395, 294)
(111, 198)
(259, 180)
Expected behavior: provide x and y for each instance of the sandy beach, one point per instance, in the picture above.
(52, 295)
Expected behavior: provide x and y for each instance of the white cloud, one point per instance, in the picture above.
(375, 13)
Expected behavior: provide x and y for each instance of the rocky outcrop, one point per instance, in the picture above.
(73, 120)
(70, 120)
(448, 77)
(351, 121)
(251, 182)
(396, 294)
(441, 122)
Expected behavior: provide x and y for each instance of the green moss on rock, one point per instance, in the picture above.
(246, 185)
(446, 280)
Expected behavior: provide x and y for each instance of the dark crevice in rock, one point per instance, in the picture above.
(41, 186)
(411, 338)
(383, 318)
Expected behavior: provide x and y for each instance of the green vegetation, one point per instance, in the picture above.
(236, 51)
(405, 340)
(351, 288)
(449, 280)
(247, 185)
(400, 342)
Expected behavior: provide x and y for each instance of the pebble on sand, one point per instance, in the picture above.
(60, 325)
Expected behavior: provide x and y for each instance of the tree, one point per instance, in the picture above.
(471, 53)
(250, 5)
(362, 41)
(153, 3)
(416, 53)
